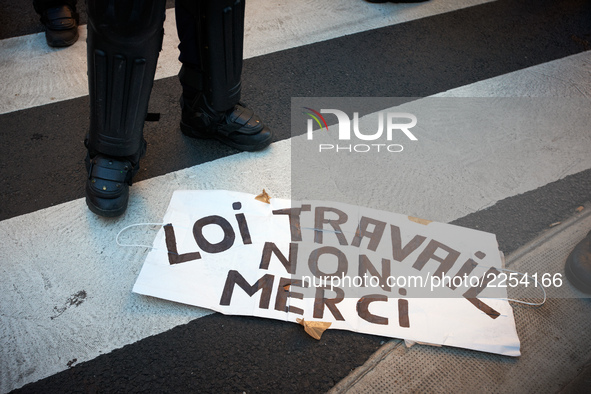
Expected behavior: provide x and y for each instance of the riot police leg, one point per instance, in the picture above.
(211, 33)
(124, 39)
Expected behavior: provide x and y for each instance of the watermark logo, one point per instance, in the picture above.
(391, 125)
(317, 117)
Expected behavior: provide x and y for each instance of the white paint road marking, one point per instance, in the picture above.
(33, 74)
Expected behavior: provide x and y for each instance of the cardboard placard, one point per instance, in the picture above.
(356, 268)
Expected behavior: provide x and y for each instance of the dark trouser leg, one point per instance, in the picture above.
(124, 38)
(42, 5)
(211, 36)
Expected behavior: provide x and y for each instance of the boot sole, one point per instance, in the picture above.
(60, 43)
(193, 133)
(108, 213)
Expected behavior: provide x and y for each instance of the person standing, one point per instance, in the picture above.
(124, 39)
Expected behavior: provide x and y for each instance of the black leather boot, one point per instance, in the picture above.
(239, 127)
(107, 188)
(61, 26)
(124, 39)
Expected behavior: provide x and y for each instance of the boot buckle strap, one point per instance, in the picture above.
(98, 171)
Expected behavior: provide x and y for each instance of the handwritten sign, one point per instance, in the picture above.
(354, 268)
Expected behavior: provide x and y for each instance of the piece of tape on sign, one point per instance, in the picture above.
(314, 328)
(263, 197)
(357, 268)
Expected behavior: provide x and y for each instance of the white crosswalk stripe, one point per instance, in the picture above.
(33, 74)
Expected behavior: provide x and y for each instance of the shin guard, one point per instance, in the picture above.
(124, 39)
(219, 30)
